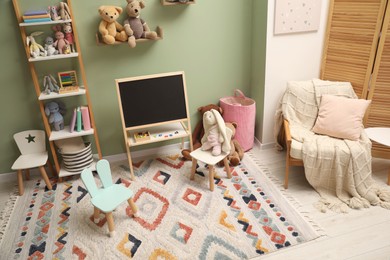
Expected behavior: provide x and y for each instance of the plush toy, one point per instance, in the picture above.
(50, 84)
(216, 135)
(64, 11)
(236, 152)
(67, 28)
(60, 42)
(198, 132)
(49, 46)
(55, 112)
(136, 27)
(35, 48)
(109, 28)
(54, 13)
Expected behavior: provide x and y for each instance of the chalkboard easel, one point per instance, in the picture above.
(156, 105)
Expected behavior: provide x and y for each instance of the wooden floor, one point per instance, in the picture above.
(360, 234)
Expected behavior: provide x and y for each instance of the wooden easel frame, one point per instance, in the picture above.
(181, 125)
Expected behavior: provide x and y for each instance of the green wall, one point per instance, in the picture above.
(211, 41)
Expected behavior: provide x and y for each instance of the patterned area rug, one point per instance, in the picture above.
(245, 217)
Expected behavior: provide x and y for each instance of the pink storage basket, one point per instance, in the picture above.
(242, 110)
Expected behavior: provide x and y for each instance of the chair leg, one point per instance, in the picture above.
(96, 213)
(227, 168)
(211, 177)
(388, 178)
(20, 182)
(45, 178)
(110, 222)
(133, 206)
(193, 169)
(27, 173)
(286, 175)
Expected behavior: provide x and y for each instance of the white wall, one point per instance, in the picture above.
(289, 57)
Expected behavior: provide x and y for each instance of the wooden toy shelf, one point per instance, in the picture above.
(82, 91)
(166, 2)
(159, 31)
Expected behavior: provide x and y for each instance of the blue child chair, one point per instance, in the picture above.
(107, 198)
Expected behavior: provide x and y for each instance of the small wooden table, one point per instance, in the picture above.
(380, 135)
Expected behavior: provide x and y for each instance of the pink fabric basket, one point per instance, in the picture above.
(242, 110)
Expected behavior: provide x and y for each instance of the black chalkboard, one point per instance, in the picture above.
(152, 99)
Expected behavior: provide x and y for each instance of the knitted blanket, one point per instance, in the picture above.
(339, 170)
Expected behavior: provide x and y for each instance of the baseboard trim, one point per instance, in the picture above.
(262, 146)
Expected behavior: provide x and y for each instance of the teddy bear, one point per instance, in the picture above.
(236, 152)
(216, 135)
(134, 26)
(198, 132)
(55, 112)
(109, 28)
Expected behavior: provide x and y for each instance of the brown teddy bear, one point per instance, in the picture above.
(236, 151)
(198, 132)
(136, 27)
(109, 28)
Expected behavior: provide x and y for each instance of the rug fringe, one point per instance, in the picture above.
(305, 214)
(6, 213)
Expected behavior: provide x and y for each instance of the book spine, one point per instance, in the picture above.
(36, 12)
(73, 121)
(37, 20)
(86, 118)
(38, 16)
(78, 120)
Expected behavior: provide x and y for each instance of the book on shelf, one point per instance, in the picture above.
(80, 120)
(38, 16)
(37, 20)
(35, 12)
(73, 121)
(85, 117)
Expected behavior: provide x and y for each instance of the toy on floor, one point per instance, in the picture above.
(55, 112)
(198, 132)
(236, 152)
(67, 28)
(60, 42)
(216, 136)
(109, 28)
(36, 49)
(50, 84)
(136, 27)
(49, 46)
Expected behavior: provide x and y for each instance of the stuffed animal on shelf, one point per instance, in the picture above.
(236, 151)
(36, 49)
(50, 84)
(67, 28)
(64, 11)
(198, 132)
(216, 135)
(60, 42)
(136, 27)
(54, 13)
(55, 112)
(49, 46)
(109, 28)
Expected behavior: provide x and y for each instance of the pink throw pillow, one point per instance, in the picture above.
(341, 117)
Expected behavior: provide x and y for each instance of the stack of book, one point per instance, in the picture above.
(36, 16)
(80, 119)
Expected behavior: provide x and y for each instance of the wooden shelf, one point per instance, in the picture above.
(65, 133)
(159, 32)
(54, 57)
(45, 23)
(169, 3)
(54, 95)
(159, 133)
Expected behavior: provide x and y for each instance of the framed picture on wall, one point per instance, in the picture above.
(292, 16)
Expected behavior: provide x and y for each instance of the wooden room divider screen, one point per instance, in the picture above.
(357, 49)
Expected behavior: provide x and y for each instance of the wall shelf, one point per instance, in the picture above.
(54, 57)
(159, 32)
(65, 134)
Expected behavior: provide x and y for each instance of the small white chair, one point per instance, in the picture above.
(211, 160)
(32, 146)
(109, 197)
